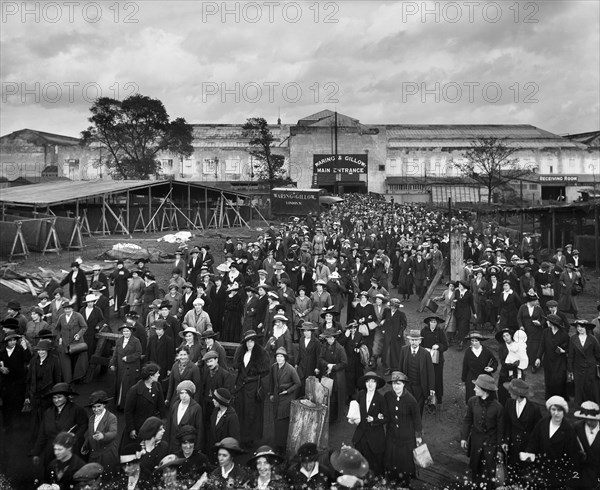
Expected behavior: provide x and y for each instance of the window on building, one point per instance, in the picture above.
(382, 168)
(533, 187)
(550, 169)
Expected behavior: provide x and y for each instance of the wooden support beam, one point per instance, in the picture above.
(76, 240)
(52, 243)
(151, 221)
(19, 241)
(432, 286)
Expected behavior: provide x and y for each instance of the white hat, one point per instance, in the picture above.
(198, 301)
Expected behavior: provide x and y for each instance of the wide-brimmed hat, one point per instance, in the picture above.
(414, 335)
(371, 375)
(283, 351)
(334, 275)
(249, 335)
(45, 333)
(531, 296)
(283, 318)
(308, 326)
(330, 332)
(230, 444)
(558, 401)
(165, 304)
(518, 387)
(321, 282)
(475, 334)
(44, 344)
(349, 461)
(485, 382)
(436, 318)
(398, 376)
(99, 397)
(396, 302)
(159, 324)
(223, 396)
(501, 333)
(382, 297)
(187, 330)
(234, 286)
(169, 460)
(266, 452)
(555, 320)
(11, 335)
(329, 310)
(272, 294)
(61, 389)
(589, 411)
(584, 323)
(209, 333)
(89, 298)
(134, 315)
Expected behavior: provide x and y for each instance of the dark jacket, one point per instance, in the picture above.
(228, 426)
(142, 403)
(283, 379)
(103, 451)
(371, 434)
(517, 430)
(192, 416)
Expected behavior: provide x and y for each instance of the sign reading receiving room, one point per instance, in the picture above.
(559, 178)
(344, 164)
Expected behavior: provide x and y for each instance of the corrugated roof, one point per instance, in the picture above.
(467, 131)
(50, 194)
(467, 143)
(40, 137)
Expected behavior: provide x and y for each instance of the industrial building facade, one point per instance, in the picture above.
(410, 163)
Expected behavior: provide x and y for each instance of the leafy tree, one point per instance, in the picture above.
(270, 167)
(490, 163)
(134, 131)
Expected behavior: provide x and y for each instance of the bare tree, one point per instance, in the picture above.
(490, 163)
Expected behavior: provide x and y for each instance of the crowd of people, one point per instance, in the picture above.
(322, 296)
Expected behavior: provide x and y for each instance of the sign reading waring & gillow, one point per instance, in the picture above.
(344, 164)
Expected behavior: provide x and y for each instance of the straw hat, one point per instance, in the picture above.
(485, 382)
(371, 375)
(265, 452)
(518, 387)
(414, 335)
(589, 411)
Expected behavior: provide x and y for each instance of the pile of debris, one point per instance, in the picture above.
(23, 283)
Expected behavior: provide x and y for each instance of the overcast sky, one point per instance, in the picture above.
(385, 62)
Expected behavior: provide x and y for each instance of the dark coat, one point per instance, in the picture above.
(589, 467)
(14, 383)
(308, 356)
(249, 317)
(336, 355)
(228, 426)
(555, 363)
(473, 366)
(127, 361)
(533, 331)
(162, 352)
(438, 336)
(142, 403)
(188, 305)
(77, 288)
(192, 416)
(517, 430)
(118, 279)
(403, 427)
(582, 362)
(427, 375)
(509, 309)
(483, 429)
(371, 434)
(393, 327)
(463, 309)
(41, 377)
(283, 379)
(556, 455)
(72, 418)
(63, 475)
(222, 378)
(103, 451)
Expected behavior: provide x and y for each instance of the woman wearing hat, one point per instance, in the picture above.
(553, 448)
(280, 337)
(119, 279)
(309, 351)
(184, 410)
(71, 329)
(586, 429)
(191, 340)
(252, 364)
(403, 432)
(478, 360)
(56, 306)
(364, 313)
(552, 352)
(435, 340)
(232, 317)
(352, 467)
(150, 292)
(137, 329)
(183, 369)
(125, 363)
(352, 340)
(228, 474)
(100, 444)
(135, 292)
(531, 319)
(305, 278)
(15, 354)
(405, 278)
(332, 363)
(193, 461)
(482, 431)
(43, 373)
(78, 285)
(509, 307)
(94, 319)
(153, 448)
(36, 324)
(509, 363)
(263, 463)
(224, 421)
(321, 299)
(571, 284)
(582, 362)
(369, 436)
(520, 418)
(309, 469)
(167, 473)
(302, 307)
(284, 386)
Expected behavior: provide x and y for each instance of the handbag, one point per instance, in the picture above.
(363, 330)
(372, 325)
(353, 412)
(422, 456)
(435, 356)
(432, 306)
(548, 292)
(500, 474)
(77, 348)
(597, 371)
(576, 289)
(365, 355)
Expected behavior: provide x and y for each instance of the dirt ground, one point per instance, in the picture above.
(441, 430)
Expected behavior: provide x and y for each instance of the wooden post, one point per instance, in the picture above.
(597, 233)
(189, 206)
(432, 286)
(149, 209)
(456, 255)
(553, 231)
(128, 211)
(205, 205)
